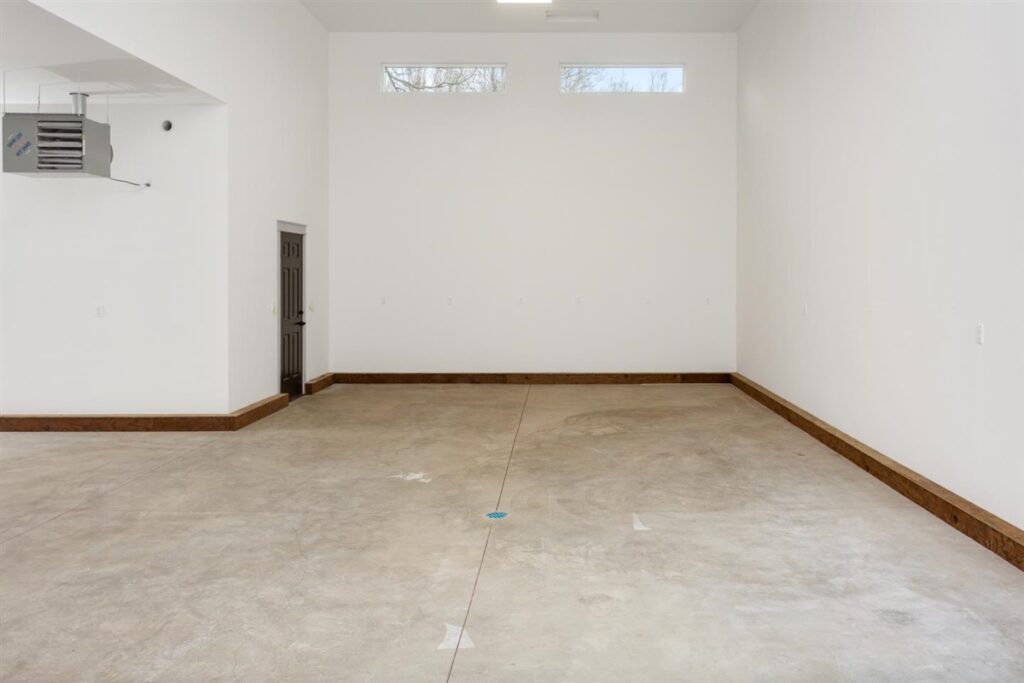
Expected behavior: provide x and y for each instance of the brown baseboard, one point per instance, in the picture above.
(531, 378)
(145, 423)
(320, 383)
(259, 410)
(998, 535)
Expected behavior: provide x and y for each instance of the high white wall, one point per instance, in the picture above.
(881, 217)
(112, 297)
(268, 62)
(530, 230)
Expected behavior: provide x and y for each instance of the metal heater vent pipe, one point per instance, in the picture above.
(78, 103)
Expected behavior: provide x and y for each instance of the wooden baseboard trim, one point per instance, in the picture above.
(145, 423)
(531, 378)
(320, 383)
(259, 410)
(998, 535)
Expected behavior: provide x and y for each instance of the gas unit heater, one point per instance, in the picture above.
(57, 144)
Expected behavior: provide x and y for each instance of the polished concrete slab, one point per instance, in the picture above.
(655, 533)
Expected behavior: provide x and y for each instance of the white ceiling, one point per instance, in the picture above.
(45, 57)
(489, 16)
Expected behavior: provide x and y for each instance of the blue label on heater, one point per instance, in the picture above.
(13, 139)
(496, 515)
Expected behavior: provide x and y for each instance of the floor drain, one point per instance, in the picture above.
(496, 515)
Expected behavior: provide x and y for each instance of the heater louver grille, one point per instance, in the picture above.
(60, 145)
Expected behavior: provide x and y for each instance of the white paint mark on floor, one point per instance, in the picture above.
(451, 638)
(638, 525)
(412, 476)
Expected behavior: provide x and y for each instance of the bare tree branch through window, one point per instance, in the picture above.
(622, 79)
(466, 78)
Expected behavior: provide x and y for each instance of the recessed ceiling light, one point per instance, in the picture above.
(572, 17)
(524, 2)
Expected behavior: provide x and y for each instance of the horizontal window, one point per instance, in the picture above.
(441, 78)
(584, 78)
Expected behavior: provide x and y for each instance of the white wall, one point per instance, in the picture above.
(881, 186)
(625, 201)
(152, 261)
(268, 62)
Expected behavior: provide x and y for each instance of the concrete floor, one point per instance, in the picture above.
(655, 533)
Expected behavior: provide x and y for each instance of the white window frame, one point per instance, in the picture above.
(625, 65)
(440, 65)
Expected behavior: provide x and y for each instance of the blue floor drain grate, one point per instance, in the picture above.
(496, 515)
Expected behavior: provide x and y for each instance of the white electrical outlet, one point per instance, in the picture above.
(979, 334)
(101, 311)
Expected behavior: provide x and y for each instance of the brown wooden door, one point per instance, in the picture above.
(291, 314)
